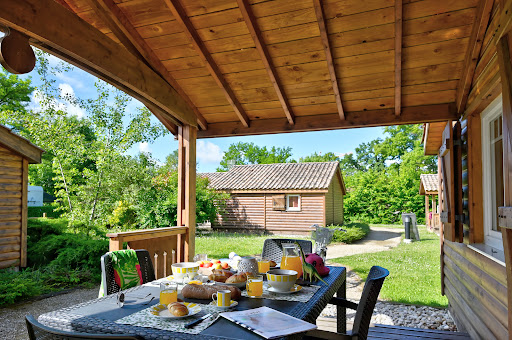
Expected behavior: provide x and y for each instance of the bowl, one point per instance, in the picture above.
(281, 280)
(179, 270)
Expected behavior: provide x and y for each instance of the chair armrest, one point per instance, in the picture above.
(344, 303)
(318, 334)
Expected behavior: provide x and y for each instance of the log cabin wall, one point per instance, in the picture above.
(474, 283)
(242, 211)
(334, 203)
(13, 214)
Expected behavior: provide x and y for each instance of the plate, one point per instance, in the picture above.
(240, 285)
(162, 312)
(295, 289)
(233, 304)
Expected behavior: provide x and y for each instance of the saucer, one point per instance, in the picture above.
(233, 304)
(295, 289)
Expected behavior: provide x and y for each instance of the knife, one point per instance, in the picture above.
(198, 321)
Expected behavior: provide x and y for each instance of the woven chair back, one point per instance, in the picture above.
(273, 248)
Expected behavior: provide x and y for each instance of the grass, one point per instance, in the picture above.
(355, 231)
(414, 271)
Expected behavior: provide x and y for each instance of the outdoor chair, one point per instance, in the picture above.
(273, 248)
(364, 309)
(38, 331)
(107, 270)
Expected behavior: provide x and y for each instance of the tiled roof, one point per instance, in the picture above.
(429, 182)
(292, 176)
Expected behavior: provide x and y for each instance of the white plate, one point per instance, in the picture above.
(162, 312)
(233, 304)
(295, 289)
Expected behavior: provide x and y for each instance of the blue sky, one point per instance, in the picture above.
(210, 151)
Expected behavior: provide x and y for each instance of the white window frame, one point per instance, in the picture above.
(288, 208)
(491, 237)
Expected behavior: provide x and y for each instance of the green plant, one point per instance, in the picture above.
(354, 232)
(48, 209)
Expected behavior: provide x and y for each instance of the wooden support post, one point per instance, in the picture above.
(24, 214)
(187, 188)
(398, 57)
(505, 64)
(427, 203)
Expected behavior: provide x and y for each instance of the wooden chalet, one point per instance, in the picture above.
(428, 188)
(213, 68)
(283, 198)
(16, 153)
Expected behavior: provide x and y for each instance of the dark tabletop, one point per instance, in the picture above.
(99, 316)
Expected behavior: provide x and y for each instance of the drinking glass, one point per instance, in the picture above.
(168, 292)
(255, 286)
(263, 265)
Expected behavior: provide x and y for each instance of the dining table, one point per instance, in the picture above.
(100, 315)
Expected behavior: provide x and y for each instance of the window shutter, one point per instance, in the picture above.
(451, 183)
(279, 202)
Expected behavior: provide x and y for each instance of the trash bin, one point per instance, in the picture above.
(411, 229)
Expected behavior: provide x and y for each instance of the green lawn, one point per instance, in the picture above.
(414, 271)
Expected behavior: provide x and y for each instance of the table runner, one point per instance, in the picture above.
(144, 318)
(303, 296)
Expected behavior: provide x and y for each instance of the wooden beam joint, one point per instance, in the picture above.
(16, 54)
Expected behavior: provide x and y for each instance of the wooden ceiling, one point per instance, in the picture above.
(238, 67)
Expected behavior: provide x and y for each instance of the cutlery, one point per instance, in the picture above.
(198, 321)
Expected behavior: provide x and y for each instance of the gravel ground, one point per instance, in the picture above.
(12, 319)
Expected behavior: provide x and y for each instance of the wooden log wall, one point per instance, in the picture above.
(255, 212)
(476, 287)
(13, 214)
(334, 203)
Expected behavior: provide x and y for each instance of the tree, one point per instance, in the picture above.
(318, 157)
(14, 92)
(249, 153)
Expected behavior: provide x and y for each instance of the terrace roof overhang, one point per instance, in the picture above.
(241, 67)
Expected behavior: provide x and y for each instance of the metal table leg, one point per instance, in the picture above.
(341, 312)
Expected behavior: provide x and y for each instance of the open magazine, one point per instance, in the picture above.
(268, 322)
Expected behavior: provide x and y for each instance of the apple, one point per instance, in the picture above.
(217, 266)
(216, 261)
(208, 265)
(225, 265)
(201, 265)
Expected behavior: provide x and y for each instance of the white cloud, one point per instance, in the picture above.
(66, 90)
(208, 152)
(342, 154)
(144, 147)
(77, 83)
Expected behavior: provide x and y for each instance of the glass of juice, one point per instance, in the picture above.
(255, 286)
(291, 259)
(168, 292)
(263, 265)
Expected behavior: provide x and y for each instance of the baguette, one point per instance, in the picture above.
(205, 292)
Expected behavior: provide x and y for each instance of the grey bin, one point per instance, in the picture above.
(411, 229)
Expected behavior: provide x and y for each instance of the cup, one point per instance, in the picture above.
(263, 265)
(168, 292)
(254, 286)
(223, 298)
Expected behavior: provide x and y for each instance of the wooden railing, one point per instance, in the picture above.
(165, 245)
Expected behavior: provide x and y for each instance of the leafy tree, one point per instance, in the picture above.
(318, 157)
(14, 92)
(249, 153)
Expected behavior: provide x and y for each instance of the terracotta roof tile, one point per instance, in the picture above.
(294, 176)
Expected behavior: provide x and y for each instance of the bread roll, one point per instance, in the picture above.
(238, 278)
(220, 275)
(205, 292)
(178, 309)
(273, 263)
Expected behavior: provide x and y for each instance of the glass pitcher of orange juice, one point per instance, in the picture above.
(291, 258)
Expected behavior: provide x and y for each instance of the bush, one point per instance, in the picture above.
(355, 232)
(48, 209)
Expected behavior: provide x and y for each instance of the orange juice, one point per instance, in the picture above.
(292, 263)
(263, 266)
(168, 296)
(255, 286)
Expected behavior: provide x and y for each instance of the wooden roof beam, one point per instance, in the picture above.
(410, 115)
(504, 22)
(181, 17)
(250, 21)
(473, 52)
(398, 56)
(54, 28)
(319, 11)
(132, 40)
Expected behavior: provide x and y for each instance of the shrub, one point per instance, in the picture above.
(354, 232)
(48, 209)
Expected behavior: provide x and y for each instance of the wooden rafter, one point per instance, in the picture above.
(410, 115)
(131, 39)
(181, 17)
(472, 53)
(398, 56)
(319, 11)
(79, 43)
(252, 25)
(504, 22)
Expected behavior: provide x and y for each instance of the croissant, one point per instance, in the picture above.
(177, 309)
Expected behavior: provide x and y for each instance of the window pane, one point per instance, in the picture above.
(293, 201)
(498, 175)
